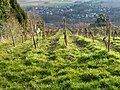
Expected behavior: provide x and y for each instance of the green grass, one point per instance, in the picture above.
(83, 65)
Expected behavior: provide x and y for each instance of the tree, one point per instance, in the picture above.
(101, 21)
(4, 9)
(19, 12)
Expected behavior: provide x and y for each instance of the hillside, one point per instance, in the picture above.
(10, 8)
(13, 20)
(108, 3)
(77, 12)
(35, 55)
(83, 65)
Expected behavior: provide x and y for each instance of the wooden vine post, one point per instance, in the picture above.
(90, 32)
(44, 33)
(12, 37)
(65, 32)
(22, 38)
(24, 32)
(109, 34)
(86, 32)
(11, 33)
(33, 37)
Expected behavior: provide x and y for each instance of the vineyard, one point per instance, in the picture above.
(62, 59)
(36, 56)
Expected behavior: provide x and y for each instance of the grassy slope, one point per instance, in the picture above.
(82, 65)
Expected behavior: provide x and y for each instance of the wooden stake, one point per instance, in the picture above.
(109, 35)
(44, 34)
(13, 40)
(22, 38)
(33, 38)
(65, 32)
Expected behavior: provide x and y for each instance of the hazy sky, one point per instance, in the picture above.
(49, 0)
(64, 0)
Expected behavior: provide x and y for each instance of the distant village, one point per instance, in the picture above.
(76, 12)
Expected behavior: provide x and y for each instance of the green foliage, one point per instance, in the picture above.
(83, 65)
(8, 7)
(100, 21)
(4, 12)
(4, 9)
(19, 12)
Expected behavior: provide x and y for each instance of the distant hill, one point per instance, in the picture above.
(112, 4)
(43, 2)
(79, 11)
(107, 3)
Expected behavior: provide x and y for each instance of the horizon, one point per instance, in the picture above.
(48, 0)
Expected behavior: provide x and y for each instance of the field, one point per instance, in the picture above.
(82, 65)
